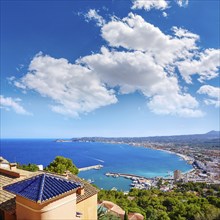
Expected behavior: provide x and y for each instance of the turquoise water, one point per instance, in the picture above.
(114, 158)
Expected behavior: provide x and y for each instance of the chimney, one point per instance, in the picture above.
(80, 191)
(13, 166)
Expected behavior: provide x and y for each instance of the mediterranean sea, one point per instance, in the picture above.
(120, 158)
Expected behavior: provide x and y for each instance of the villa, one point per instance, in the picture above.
(40, 195)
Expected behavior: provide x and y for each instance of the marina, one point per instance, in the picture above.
(132, 176)
(141, 182)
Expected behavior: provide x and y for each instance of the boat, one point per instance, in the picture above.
(90, 181)
(98, 167)
(114, 189)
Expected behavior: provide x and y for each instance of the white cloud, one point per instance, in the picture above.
(146, 62)
(213, 93)
(179, 50)
(183, 105)
(129, 70)
(164, 14)
(206, 65)
(9, 103)
(156, 4)
(183, 33)
(216, 103)
(137, 71)
(74, 88)
(93, 15)
(148, 5)
(134, 33)
(182, 3)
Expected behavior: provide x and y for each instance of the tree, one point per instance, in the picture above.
(109, 216)
(30, 167)
(61, 164)
(176, 205)
(154, 214)
(126, 216)
(214, 200)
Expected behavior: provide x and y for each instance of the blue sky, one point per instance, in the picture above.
(109, 68)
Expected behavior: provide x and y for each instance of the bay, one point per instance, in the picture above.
(120, 158)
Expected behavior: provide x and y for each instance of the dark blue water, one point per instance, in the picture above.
(114, 157)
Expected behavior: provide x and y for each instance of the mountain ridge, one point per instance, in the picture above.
(210, 133)
(209, 139)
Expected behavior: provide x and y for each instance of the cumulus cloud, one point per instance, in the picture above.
(74, 88)
(165, 14)
(139, 57)
(137, 71)
(213, 93)
(182, 3)
(134, 33)
(206, 64)
(156, 4)
(9, 103)
(92, 14)
(183, 105)
(128, 70)
(148, 5)
(179, 49)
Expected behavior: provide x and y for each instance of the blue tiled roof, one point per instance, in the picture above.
(42, 187)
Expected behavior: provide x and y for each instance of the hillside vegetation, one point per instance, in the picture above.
(191, 201)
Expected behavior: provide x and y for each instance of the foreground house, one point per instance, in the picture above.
(45, 196)
(113, 209)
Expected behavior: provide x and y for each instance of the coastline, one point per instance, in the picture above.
(188, 159)
(184, 157)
